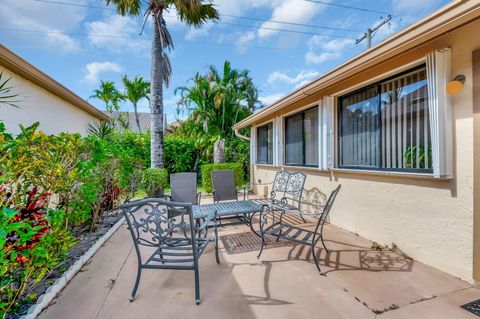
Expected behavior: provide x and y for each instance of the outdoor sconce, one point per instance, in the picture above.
(455, 86)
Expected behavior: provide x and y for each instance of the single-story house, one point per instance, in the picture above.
(42, 99)
(382, 124)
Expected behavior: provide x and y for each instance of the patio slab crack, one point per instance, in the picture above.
(111, 283)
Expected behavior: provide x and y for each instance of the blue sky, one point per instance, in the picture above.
(81, 45)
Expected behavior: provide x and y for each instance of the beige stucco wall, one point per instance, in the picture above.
(37, 104)
(430, 220)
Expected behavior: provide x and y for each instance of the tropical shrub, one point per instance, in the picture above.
(32, 242)
(181, 154)
(207, 174)
(154, 181)
(238, 151)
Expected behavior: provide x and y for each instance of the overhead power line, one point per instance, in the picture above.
(345, 6)
(221, 22)
(286, 30)
(290, 23)
(127, 37)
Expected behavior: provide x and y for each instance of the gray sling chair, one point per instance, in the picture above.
(224, 189)
(286, 231)
(165, 243)
(184, 188)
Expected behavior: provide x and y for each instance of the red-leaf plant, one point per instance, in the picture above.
(34, 213)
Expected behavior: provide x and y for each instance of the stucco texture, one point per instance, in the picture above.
(430, 220)
(39, 105)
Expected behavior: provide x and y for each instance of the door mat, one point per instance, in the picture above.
(473, 307)
(246, 242)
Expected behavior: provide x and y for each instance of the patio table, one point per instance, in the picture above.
(244, 209)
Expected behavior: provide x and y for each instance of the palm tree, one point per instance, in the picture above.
(109, 94)
(215, 102)
(135, 90)
(192, 12)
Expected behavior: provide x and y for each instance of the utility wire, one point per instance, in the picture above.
(126, 37)
(291, 23)
(345, 6)
(286, 30)
(221, 22)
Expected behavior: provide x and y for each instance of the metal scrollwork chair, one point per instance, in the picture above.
(166, 244)
(286, 231)
(286, 193)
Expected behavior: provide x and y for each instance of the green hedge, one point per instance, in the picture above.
(180, 154)
(207, 169)
(154, 180)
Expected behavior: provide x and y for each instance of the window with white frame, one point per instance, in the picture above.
(301, 138)
(385, 126)
(265, 144)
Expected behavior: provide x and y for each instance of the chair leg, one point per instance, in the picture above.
(137, 282)
(217, 257)
(197, 284)
(323, 243)
(316, 260)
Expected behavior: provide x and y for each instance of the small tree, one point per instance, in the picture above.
(135, 90)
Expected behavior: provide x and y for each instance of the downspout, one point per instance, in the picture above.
(243, 137)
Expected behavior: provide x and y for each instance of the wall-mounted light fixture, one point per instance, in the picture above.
(455, 86)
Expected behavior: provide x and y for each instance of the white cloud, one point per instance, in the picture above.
(122, 34)
(414, 6)
(243, 41)
(269, 99)
(296, 11)
(321, 50)
(50, 23)
(301, 77)
(94, 69)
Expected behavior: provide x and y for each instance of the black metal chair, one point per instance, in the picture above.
(173, 248)
(286, 231)
(184, 188)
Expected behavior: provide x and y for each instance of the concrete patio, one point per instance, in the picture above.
(360, 282)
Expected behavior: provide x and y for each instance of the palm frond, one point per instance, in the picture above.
(195, 12)
(126, 7)
(7, 96)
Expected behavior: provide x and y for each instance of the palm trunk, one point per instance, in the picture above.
(156, 102)
(136, 117)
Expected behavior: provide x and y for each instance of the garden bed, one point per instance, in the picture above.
(86, 240)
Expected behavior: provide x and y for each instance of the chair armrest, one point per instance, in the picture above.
(207, 220)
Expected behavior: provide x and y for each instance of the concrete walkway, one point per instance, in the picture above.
(284, 283)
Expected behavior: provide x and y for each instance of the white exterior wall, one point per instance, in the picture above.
(431, 220)
(39, 105)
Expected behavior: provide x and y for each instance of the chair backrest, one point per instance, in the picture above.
(295, 187)
(328, 207)
(184, 187)
(150, 225)
(224, 185)
(279, 184)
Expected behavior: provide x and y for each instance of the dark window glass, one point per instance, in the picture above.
(386, 125)
(265, 144)
(301, 138)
